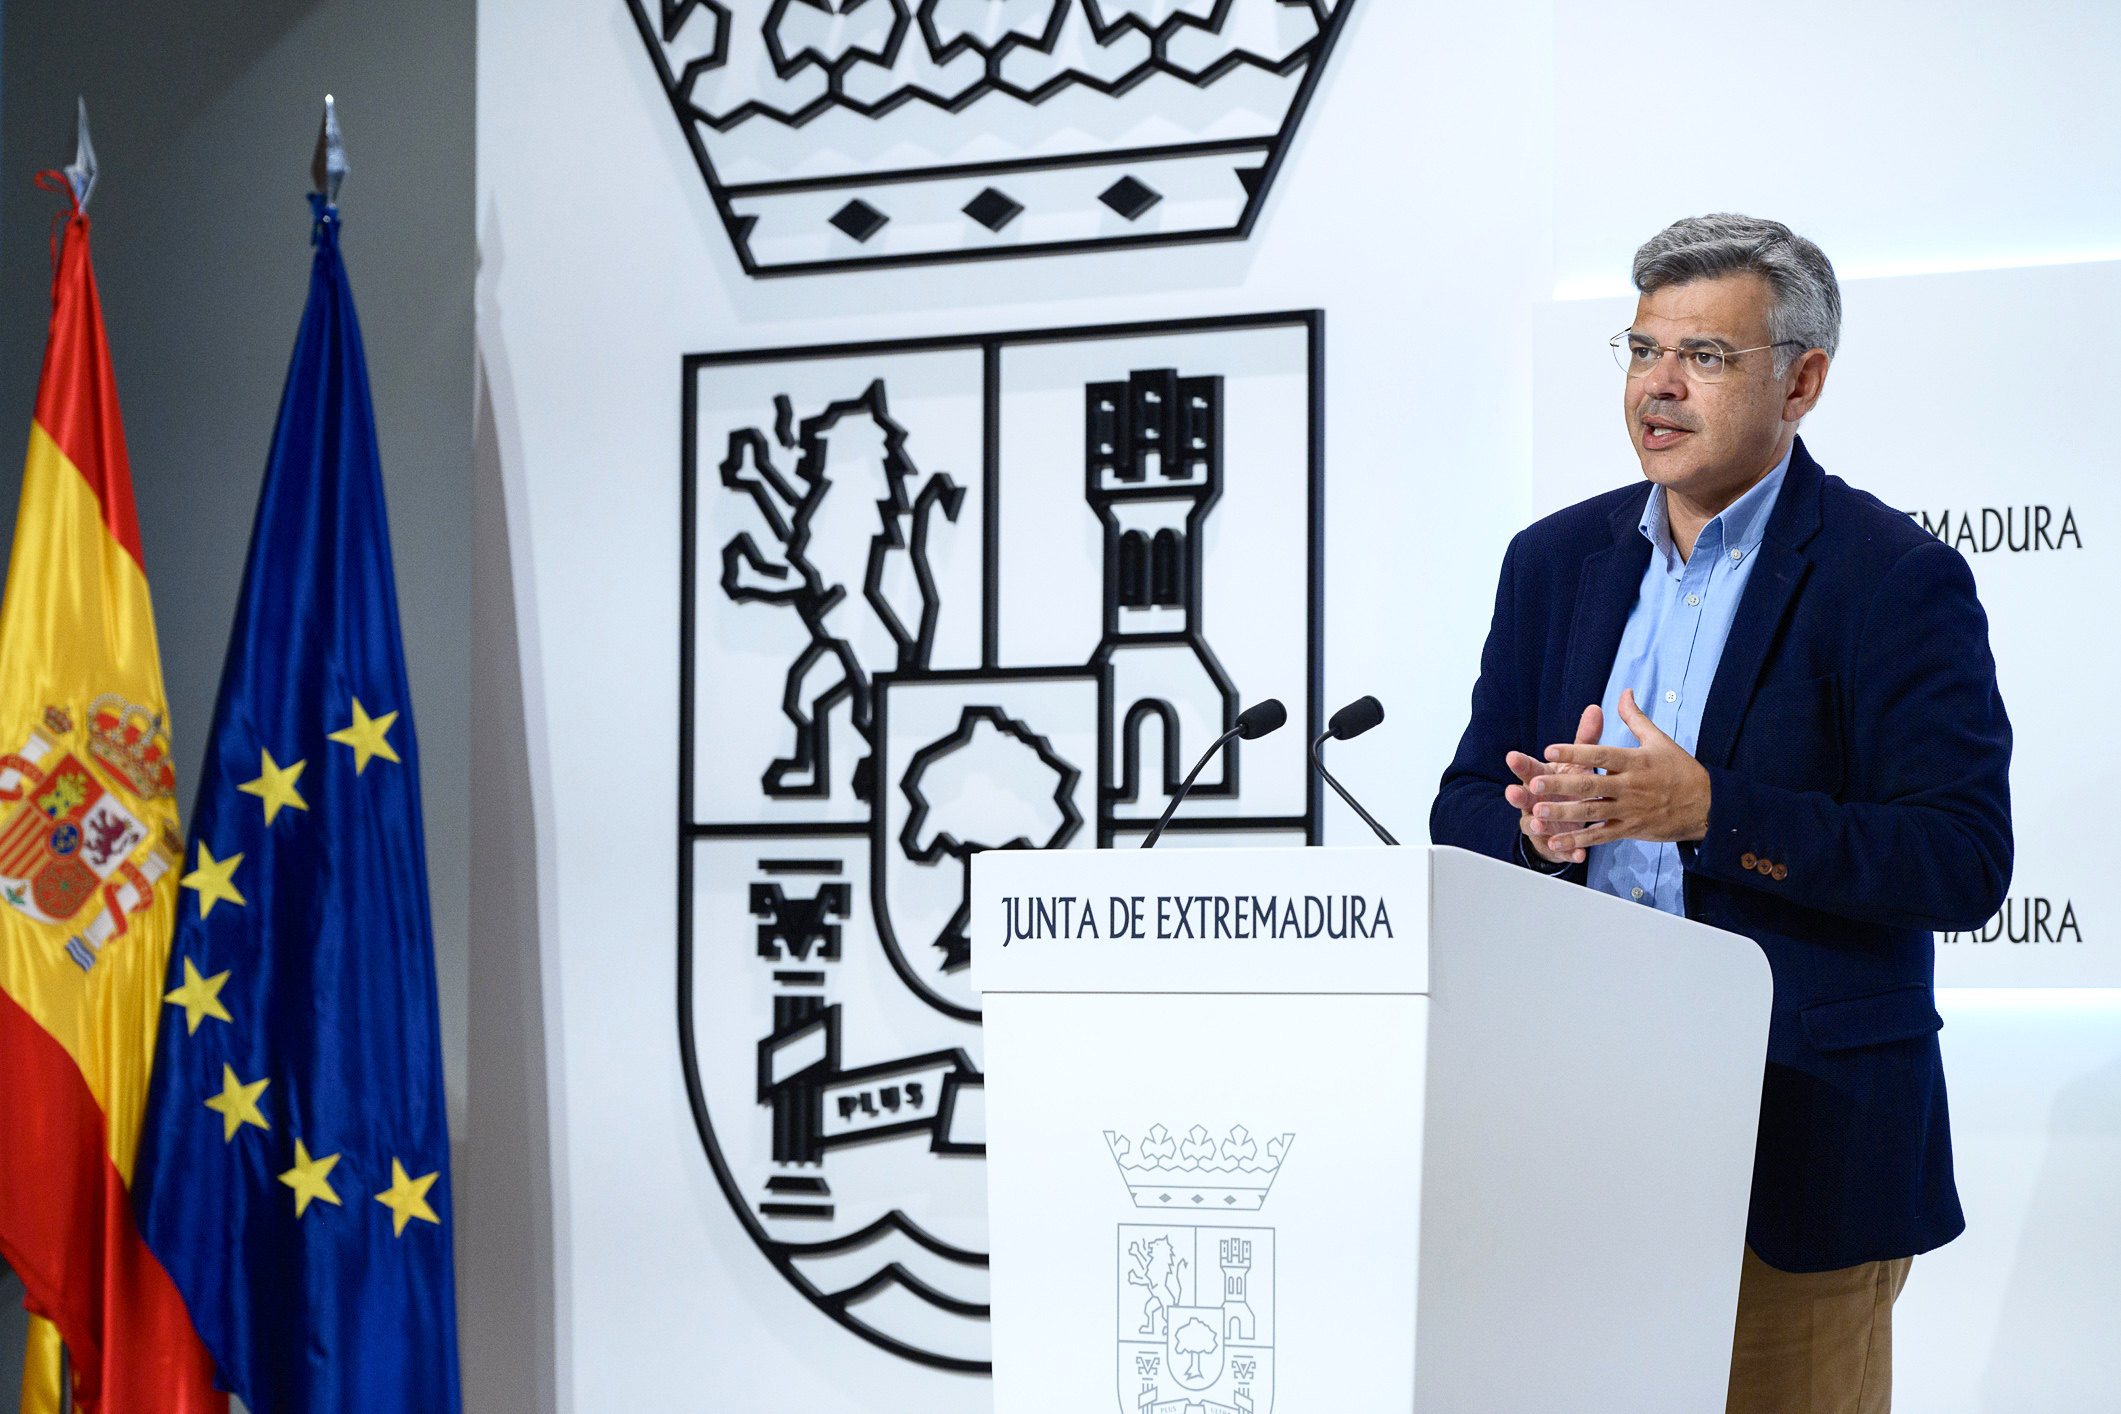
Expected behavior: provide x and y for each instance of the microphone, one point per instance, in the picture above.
(1349, 722)
(1252, 723)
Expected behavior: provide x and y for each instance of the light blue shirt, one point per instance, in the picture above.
(1668, 654)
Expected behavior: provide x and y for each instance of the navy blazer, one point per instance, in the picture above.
(1858, 758)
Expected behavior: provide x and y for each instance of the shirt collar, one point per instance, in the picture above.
(1738, 527)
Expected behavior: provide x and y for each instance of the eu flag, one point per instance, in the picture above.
(293, 1174)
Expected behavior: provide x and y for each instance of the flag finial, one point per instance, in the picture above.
(81, 172)
(328, 168)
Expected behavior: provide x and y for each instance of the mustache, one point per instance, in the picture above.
(1670, 411)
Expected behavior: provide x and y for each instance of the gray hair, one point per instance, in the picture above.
(1807, 306)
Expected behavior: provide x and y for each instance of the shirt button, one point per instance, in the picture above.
(1693, 599)
(1671, 697)
(1636, 892)
(1737, 554)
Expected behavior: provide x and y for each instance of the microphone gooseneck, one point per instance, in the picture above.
(1252, 723)
(1351, 721)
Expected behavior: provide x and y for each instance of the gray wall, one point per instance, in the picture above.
(204, 116)
(14, 1329)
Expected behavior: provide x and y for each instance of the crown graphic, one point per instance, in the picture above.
(1198, 1170)
(128, 740)
(838, 134)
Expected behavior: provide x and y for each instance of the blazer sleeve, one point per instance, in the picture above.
(1470, 811)
(1930, 846)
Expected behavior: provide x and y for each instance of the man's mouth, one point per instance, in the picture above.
(1658, 433)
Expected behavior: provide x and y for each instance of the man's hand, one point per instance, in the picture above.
(1655, 792)
(1538, 832)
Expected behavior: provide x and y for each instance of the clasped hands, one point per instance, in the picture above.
(1656, 791)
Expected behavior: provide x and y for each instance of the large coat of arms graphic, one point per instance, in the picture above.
(944, 596)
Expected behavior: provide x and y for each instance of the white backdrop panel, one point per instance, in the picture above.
(2018, 1313)
(1903, 136)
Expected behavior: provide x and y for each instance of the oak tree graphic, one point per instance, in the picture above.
(1194, 1339)
(985, 804)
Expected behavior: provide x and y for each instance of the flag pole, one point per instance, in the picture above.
(81, 176)
(328, 168)
(81, 172)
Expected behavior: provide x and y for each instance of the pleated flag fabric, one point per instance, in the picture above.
(89, 875)
(294, 1164)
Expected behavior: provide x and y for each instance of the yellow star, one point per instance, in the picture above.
(407, 1198)
(212, 879)
(200, 997)
(366, 736)
(308, 1179)
(276, 786)
(238, 1103)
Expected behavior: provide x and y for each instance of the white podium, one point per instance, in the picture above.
(1358, 1130)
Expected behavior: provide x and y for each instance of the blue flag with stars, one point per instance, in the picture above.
(293, 1172)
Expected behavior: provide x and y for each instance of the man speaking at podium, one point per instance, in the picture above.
(1745, 692)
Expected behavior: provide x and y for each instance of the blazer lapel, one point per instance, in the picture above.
(1769, 592)
(1605, 596)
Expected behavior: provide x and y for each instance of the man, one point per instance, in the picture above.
(1749, 693)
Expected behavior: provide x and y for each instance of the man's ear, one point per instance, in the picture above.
(1807, 381)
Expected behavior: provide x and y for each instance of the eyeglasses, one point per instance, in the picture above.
(1702, 361)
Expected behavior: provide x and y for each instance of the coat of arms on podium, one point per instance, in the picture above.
(943, 596)
(1196, 1300)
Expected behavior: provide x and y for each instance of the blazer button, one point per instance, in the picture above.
(1765, 867)
(1748, 860)
(1780, 874)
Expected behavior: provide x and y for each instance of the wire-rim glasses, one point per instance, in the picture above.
(1702, 360)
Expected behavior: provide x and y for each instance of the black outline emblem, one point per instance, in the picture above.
(1151, 423)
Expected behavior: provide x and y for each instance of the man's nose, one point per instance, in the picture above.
(1665, 381)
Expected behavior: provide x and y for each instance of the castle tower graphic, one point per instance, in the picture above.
(1152, 452)
(1235, 1256)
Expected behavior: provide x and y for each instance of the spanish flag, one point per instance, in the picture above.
(89, 854)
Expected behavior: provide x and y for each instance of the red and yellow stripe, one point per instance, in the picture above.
(76, 1045)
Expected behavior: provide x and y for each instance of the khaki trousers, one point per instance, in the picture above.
(1815, 1342)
